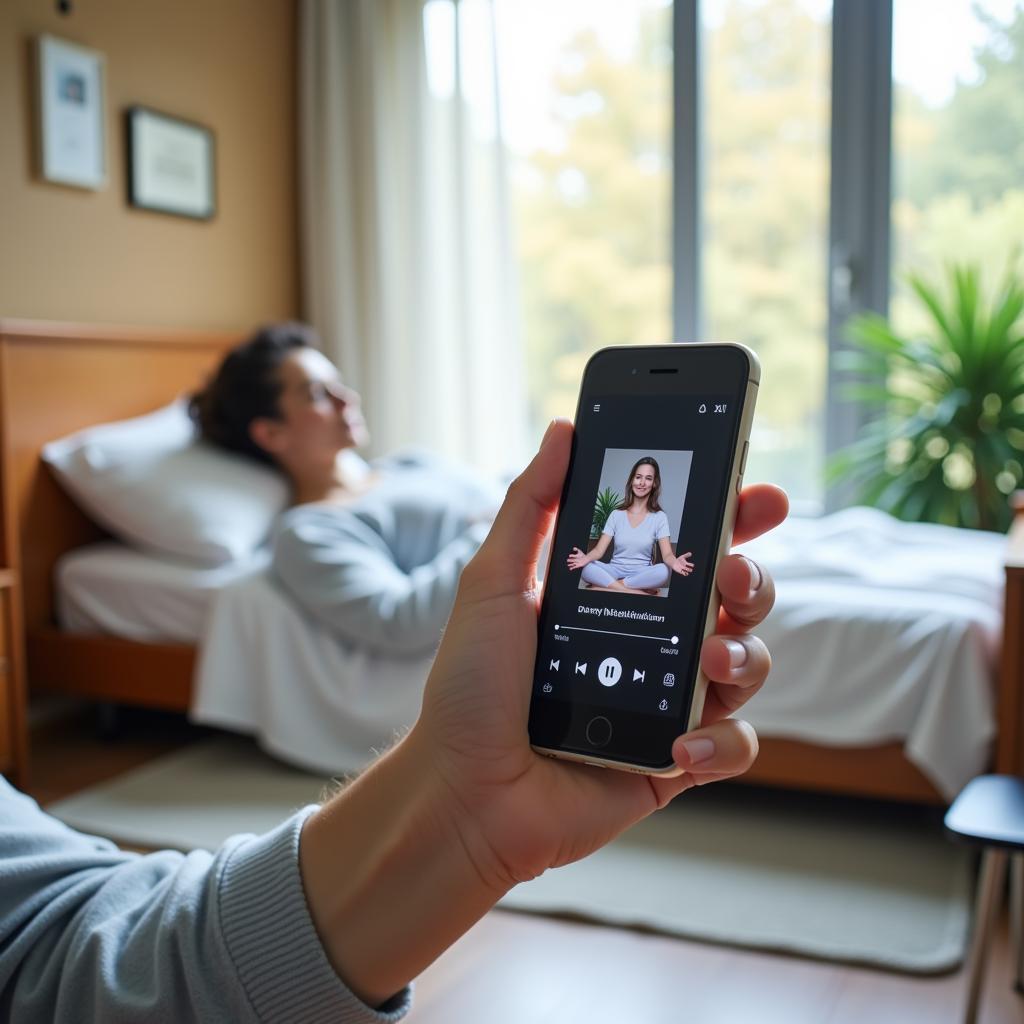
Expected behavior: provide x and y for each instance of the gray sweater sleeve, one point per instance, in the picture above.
(90, 933)
(345, 577)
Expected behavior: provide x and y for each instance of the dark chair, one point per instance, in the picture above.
(989, 813)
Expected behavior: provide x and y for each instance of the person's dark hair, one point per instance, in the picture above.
(247, 387)
(652, 498)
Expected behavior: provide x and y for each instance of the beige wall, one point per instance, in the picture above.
(71, 254)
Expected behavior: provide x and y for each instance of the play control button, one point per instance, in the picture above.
(609, 672)
(599, 731)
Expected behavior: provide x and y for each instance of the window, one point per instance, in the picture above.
(587, 90)
(766, 67)
(587, 99)
(958, 139)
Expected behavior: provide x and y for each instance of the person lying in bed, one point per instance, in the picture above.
(375, 554)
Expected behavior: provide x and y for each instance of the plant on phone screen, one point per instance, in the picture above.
(606, 503)
(945, 439)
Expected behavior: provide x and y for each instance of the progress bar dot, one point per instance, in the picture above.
(557, 626)
(675, 639)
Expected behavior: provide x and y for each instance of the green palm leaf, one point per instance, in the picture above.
(944, 437)
(605, 503)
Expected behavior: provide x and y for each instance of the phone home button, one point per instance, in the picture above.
(599, 731)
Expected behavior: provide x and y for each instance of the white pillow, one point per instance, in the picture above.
(149, 482)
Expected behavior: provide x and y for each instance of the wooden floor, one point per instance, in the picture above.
(520, 969)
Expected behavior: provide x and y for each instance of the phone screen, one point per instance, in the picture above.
(619, 637)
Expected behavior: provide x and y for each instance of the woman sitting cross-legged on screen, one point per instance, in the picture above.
(634, 527)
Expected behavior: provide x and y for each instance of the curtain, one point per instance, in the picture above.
(407, 268)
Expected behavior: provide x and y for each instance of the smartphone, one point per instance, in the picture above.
(646, 515)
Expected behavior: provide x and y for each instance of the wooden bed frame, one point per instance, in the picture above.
(56, 378)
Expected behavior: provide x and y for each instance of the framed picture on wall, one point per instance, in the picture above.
(71, 105)
(170, 164)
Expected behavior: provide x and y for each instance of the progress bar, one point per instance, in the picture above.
(612, 632)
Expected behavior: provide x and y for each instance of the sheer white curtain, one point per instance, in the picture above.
(407, 263)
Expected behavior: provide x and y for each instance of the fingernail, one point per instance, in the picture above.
(737, 653)
(700, 749)
(756, 578)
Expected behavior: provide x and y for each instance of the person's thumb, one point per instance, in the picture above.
(513, 545)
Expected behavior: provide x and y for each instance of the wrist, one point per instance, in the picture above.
(390, 878)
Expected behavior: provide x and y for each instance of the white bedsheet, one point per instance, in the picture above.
(307, 697)
(112, 588)
(884, 631)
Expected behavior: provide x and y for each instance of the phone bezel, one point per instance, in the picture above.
(642, 742)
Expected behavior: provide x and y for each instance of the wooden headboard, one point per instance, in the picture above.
(56, 378)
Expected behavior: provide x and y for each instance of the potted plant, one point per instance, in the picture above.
(606, 503)
(945, 439)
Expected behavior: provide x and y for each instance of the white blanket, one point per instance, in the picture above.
(307, 697)
(882, 631)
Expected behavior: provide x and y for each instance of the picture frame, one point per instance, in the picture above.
(171, 164)
(71, 127)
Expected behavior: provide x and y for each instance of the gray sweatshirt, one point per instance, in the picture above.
(382, 572)
(90, 933)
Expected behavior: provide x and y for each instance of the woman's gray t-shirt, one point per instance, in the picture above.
(382, 572)
(632, 546)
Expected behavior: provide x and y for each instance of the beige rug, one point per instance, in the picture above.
(832, 879)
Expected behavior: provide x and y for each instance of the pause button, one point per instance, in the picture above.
(609, 672)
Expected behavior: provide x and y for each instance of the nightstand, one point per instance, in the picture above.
(13, 710)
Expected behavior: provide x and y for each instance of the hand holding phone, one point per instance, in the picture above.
(521, 813)
(404, 860)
